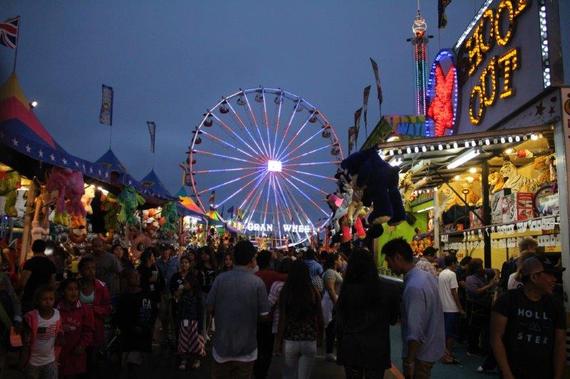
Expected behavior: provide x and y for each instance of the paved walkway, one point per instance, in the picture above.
(163, 367)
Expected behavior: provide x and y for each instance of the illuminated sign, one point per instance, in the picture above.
(442, 95)
(268, 228)
(503, 61)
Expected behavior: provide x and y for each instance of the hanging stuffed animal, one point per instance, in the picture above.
(40, 222)
(10, 182)
(379, 183)
(170, 216)
(66, 189)
(129, 200)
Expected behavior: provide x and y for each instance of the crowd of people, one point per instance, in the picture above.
(67, 318)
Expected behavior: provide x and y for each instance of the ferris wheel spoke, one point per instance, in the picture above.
(287, 207)
(255, 196)
(305, 183)
(283, 155)
(277, 213)
(240, 121)
(266, 119)
(227, 157)
(281, 152)
(252, 210)
(311, 174)
(277, 122)
(291, 118)
(214, 138)
(225, 170)
(306, 154)
(254, 120)
(298, 206)
(314, 163)
(232, 132)
(267, 200)
(260, 175)
(306, 196)
(226, 183)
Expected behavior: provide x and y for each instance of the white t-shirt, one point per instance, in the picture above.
(447, 281)
(43, 352)
(513, 283)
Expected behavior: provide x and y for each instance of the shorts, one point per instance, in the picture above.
(451, 320)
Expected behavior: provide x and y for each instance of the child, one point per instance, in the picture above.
(77, 323)
(43, 335)
(135, 314)
(189, 316)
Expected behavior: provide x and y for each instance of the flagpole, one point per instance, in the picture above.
(17, 44)
(110, 136)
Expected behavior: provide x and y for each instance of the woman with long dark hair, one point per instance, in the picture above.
(300, 322)
(365, 309)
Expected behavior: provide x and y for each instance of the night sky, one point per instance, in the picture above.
(168, 61)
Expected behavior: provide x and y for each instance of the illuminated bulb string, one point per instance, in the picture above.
(544, 43)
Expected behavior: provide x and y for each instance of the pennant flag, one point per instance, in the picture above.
(221, 212)
(441, 17)
(152, 131)
(351, 139)
(378, 86)
(240, 214)
(357, 116)
(231, 211)
(9, 32)
(212, 200)
(365, 96)
(106, 115)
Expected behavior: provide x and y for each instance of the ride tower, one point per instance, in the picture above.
(419, 43)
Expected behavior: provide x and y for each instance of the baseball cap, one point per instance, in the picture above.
(539, 263)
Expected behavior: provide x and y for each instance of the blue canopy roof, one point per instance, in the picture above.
(151, 185)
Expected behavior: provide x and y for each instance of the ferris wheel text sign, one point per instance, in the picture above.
(287, 228)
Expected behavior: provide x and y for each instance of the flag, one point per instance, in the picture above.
(365, 96)
(231, 211)
(357, 115)
(9, 32)
(441, 17)
(221, 212)
(240, 214)
(212, 200)
(106, 115)
(351, 138)
(152, 131)
(378, 87)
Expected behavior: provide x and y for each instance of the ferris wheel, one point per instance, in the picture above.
(265, 159)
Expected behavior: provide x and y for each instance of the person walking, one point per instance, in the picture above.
(265, 338)
(332, 282)
(37, 271)
(452, 308)
(528, 325)
(237, 300)
(365, 309)
(300, 322)
(423, 336)
(167, 266)
(108, 267)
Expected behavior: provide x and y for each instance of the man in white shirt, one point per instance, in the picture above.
(451, 305)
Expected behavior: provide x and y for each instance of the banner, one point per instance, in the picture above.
(152, 132)
(365, 96)
(106, 115)
(441, 17)
(231, 212)
(378, 86)
(212, 200)
(357, 115)
(351, 139)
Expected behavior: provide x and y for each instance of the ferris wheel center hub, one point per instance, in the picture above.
(274, 166)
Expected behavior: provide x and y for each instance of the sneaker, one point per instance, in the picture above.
(182, 365)
(330, 358)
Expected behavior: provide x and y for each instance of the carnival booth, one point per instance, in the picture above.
(491, 167)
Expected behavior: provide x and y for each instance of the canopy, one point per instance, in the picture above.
(151, 185)
(22, 132)
(187, 203)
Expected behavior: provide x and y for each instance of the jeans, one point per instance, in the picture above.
(264, 349)
(48, 371)
(330, 336)
(231, 370)
(299, 359)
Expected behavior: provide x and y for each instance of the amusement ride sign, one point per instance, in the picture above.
(503, 61)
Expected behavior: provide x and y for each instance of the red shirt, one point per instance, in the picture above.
(269, 277)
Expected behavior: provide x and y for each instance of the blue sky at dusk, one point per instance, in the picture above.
(168, 61)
